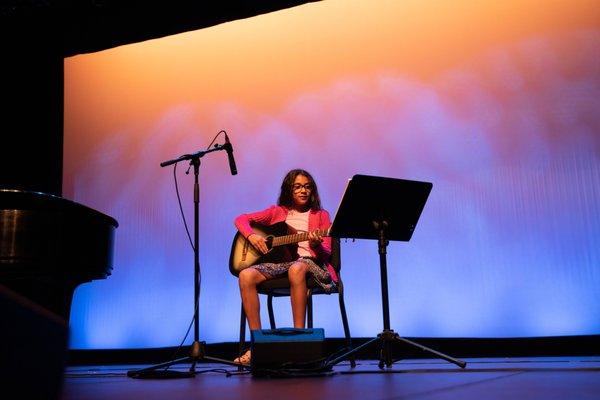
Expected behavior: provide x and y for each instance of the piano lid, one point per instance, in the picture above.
(45, 234)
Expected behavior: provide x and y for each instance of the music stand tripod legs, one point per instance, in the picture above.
(387, 337)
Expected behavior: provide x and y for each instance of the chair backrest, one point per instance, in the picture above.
(336, 257)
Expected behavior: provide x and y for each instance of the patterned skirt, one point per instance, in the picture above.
(277, 270)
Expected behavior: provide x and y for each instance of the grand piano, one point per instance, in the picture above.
(50, 245)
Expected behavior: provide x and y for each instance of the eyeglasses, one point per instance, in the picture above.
(296, 187)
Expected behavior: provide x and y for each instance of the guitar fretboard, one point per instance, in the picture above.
(297, 237)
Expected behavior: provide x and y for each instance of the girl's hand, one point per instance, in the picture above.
(314, 239)
(258, 242)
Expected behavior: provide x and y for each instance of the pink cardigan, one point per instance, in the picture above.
(275, 214)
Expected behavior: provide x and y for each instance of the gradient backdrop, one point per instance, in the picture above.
(498, 105)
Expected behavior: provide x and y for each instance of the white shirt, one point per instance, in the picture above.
(299, 221)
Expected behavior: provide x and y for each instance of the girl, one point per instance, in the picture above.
(299, 206)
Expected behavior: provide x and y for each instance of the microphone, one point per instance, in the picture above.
(229, 149)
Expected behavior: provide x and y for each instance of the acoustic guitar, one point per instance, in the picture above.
(282, 245)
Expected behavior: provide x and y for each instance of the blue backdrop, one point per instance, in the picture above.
(508, 244)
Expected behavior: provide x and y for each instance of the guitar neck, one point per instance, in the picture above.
(297, 237)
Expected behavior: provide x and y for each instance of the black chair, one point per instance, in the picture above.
(280, 287)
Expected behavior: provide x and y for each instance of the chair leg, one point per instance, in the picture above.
(345, 322)
(309, 309)
(242, 335)
(270, 307)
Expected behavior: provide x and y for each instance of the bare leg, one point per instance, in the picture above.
(298, 293)
(249, 278)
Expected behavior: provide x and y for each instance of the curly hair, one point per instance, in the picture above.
(285, 197)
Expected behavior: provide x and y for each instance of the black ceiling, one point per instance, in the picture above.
(74, 27)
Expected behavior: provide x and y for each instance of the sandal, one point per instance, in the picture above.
(244, 359)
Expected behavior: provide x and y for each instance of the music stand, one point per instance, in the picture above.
(383, 209)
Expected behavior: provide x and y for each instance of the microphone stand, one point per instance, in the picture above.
(198, 348)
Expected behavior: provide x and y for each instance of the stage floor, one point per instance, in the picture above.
(484, 378)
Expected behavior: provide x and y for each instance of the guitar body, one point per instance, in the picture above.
(244, 255)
